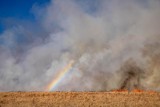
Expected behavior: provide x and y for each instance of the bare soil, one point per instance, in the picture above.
(80, 99)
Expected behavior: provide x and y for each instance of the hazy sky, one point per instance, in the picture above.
(17, 9)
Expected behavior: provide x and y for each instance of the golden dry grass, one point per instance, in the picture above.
(79, 99)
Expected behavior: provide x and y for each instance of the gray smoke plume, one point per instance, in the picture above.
(114, 44)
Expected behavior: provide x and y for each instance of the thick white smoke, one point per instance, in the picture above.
(102, 42)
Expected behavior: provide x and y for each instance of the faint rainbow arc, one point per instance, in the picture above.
(61, 75)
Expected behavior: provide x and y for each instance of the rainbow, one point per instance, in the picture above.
(60, 76)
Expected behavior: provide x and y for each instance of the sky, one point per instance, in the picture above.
(18, 9)
(79, 45)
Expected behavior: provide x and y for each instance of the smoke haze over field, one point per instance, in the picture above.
(114, 44)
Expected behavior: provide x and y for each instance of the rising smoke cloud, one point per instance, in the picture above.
(114, 46)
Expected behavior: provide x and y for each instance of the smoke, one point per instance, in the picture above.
(114, 44)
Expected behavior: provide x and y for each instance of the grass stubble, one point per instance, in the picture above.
(80, 99)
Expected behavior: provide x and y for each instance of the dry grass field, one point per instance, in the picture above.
(80, 99)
